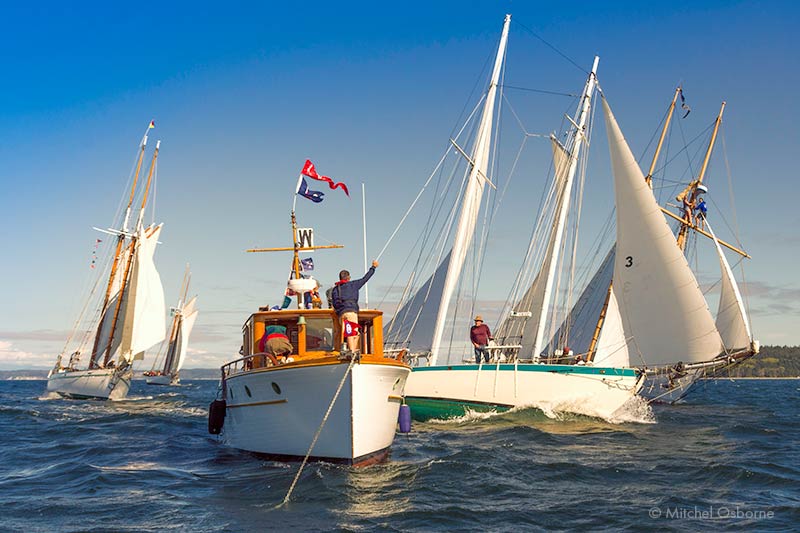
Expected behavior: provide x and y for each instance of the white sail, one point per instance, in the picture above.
(188, 317)
(413, 324)
(471, 201)
(578, 329)
(612, 347)
(145, 308)
(662, 307)
(731, 317)
(111, 309)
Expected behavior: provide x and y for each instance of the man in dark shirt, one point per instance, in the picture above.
(344, 297)
(480, 336)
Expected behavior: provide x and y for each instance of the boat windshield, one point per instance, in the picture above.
(319, 334)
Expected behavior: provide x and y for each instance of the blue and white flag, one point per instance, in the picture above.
(307, 264)
(304, 191)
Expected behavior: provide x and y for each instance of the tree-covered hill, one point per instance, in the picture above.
(771, 362)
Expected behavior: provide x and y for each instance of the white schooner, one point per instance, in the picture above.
(131, 314)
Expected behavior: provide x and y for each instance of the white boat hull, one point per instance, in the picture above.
(162, 380)
(668, 388)
(277, 411)
(447, 391)
(98, 384)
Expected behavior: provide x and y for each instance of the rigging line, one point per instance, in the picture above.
(422, 241)
(490, 214)
(685, 148)
(552, 47)
(442, 240)
(478, 79)
(735, 227)
(427, 182)
(555, 93)
(319, 430)
(655, 133)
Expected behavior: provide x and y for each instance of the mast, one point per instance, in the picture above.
(129, 262)
(691, 190)
(580, 128)
(472, 196)
(170, 357)
(649, 177)
(115, 263)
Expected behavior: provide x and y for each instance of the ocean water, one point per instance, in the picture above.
(727, 458)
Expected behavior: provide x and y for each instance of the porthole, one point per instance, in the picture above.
(230, 393)
(276, 388)
(247, 390)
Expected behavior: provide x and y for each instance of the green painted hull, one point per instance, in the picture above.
(423, 409)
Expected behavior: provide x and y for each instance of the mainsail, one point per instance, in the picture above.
(471, 201)
(144, 302)
(663, 311)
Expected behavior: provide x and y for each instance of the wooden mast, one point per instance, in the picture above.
(692, 188)
(115, 263)
(649, 177)
(296, 249)
(129, 262)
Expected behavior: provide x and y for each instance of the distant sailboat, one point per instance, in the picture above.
(184, 316)
(517, 375)
(131, 314)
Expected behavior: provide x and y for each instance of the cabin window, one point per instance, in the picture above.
(276, 388)
(319, 334)
(247, 390)
(247, 342)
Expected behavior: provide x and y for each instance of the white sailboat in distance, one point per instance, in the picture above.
(131, 314)
(183, 319)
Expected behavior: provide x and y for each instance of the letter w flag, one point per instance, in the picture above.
(310, 171)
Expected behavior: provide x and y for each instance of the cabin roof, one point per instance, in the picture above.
(284, 314)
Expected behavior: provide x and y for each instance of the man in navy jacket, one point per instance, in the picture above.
(344, 296)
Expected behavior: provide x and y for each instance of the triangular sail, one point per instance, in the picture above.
(662, 307)
(731, 316)
(413, 324)
(579, 328)
(612, 346)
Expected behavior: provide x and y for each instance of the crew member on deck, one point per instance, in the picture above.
(275, 342)
(480, 336)
(344, 297)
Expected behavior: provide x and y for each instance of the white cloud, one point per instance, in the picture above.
(14, 358)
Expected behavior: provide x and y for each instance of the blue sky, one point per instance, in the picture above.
(243, 93)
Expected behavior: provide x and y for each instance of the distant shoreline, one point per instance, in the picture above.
(734, 378)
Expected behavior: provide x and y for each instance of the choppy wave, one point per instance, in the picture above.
(72, 465)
